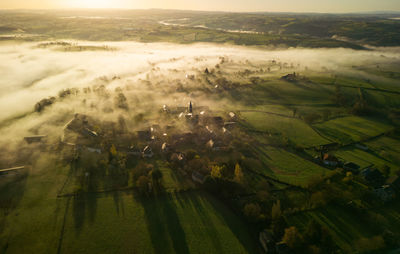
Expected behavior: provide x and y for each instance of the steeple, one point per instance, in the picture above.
(190, 107)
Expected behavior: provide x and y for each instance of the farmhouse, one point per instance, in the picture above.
(330, 160)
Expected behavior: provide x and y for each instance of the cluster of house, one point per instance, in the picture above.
(384, 189)
(203, 131)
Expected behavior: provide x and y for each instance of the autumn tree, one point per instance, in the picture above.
(217, 171)
(292, 238)
(276, 211)
(239, 176)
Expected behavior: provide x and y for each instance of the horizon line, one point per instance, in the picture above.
(192, 10)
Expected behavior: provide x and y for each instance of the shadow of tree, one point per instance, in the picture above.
(164, 225)
(237, 227)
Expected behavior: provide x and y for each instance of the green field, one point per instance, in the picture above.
(288, 167)
(351, 129)
(363, 158)
(39, 222)
(387, 148)
(344, 227)
(182, 223)
(294, 129)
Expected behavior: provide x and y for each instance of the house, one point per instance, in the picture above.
(133, 150)
(330, 160)
(147, 152)
(290, 77)
(384, 193)
(89, 133)
(267, 241)
(34, 139)
(373, 177)
(165, 147)
(11, 171)
(155, 128)
(350, 166)
(198, 177)
(94, 150)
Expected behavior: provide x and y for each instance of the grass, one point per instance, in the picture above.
(173, 180)
(294, 129)
(176, 223)
(288, 167)
(352, 129)
(365, 158)
(193, 222)
(344, 226)
(388, 148)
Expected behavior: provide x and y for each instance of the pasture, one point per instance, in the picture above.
(288, 167)
(351, 129)
(294, 129)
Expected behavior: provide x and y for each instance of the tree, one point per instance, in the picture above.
(113, 150)
(239, 176)
(121, 101)
(252, 211)
(292, 238)
(217, 171)
(276, 211)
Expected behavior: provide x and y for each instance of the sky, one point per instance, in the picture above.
(214, 5)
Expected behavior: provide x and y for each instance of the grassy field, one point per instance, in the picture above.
(39, 222)
(294, 129)
(173, 180)
(182, 223)
(344, 227)
(351, 129)
(365, 158)
(288, 167)
(387, 148)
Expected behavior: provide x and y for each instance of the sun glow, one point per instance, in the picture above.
(92, 4)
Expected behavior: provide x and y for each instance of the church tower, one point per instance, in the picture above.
(190, 108)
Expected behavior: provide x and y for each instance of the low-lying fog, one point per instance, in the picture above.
(151, 74)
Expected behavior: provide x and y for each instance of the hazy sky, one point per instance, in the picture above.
(219, 5)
